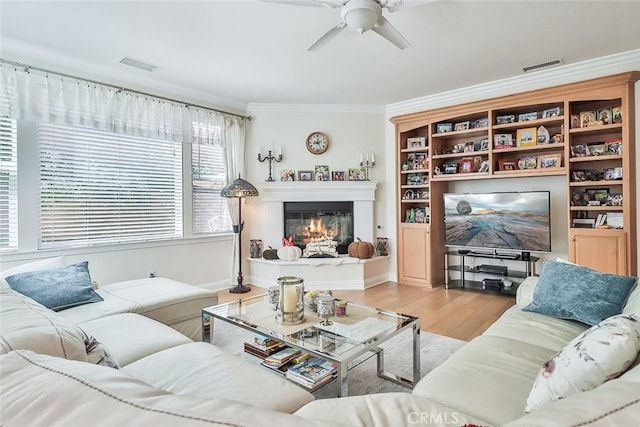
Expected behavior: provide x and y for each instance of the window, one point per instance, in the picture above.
(8, 185)
(210, 211)
(99, 187)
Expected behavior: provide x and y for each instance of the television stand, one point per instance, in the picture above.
(499, 273)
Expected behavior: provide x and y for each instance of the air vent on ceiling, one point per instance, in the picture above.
(543, 65)
(138, 64)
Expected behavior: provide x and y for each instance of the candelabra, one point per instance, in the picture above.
(271, 158)
(366, 164)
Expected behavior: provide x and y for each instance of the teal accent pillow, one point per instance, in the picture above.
(57, 288)
(573, 292)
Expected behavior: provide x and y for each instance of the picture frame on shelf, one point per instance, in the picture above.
(481, 145)
(526, 117)
(551, 112)
(288, 175)
(550, 161)
(462, 126)
(502, 140)
(616, 114)
(469, 147)
(528, 162)
(505, 119)
(304, 175)
(321, 173)
(597, 149)
(507, 165)
(466, 165)
(604, 116)
(578, 176)
(424, 194)
(444, 127)
(587, 118)
(526, 137)
(580, 150)
(408, 195)
(416, 142)
(613, 146)
(337, 175)
(481, 123)
(358, 174)
(575, 121)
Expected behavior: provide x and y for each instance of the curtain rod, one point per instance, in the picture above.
(186, 104)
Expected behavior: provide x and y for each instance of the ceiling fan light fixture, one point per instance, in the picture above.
(361, 15)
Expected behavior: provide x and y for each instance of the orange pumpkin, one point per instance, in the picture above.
(360, 249)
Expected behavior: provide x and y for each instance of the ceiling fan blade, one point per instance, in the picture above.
(386, 30)
(329, 35)
(311, 3)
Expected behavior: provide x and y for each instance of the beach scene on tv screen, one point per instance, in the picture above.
(518, 221)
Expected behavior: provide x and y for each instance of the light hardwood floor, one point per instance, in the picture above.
(454, 313)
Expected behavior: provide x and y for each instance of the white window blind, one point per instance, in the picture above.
(8, 185)
(98, 187)
(210, 210)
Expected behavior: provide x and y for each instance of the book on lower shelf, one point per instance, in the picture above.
(281, 357)
(263, 353)
(312, 372)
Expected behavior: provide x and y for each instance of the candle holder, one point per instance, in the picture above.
(290, 309)
(367, 165)
(326, 308)
(271, 158)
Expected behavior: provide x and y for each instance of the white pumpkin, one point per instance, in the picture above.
(289, 253)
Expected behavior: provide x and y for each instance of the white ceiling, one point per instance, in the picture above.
(245, 51)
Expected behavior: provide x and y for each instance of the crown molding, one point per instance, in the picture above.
(315, 108)
(570, 73)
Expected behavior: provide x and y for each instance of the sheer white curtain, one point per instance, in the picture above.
(52, 98)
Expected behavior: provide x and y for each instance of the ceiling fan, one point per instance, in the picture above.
(358, 15)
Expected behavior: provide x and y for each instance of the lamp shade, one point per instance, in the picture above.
(239, 188)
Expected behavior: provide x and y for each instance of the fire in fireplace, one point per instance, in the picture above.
(315, 221)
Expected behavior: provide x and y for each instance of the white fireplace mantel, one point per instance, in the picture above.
(274, 194)
(340, 273)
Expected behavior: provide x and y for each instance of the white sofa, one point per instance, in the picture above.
(488, 380)
(50, 349)
(193, 383)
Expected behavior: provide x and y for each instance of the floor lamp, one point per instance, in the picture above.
(239, 189)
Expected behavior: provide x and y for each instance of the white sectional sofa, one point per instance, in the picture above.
(49, 381)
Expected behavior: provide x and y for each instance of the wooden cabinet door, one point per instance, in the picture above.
(602, 250)
(413, 257)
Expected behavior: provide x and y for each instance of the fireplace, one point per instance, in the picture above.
(313, 221)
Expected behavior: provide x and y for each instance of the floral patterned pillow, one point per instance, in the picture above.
(601, 353)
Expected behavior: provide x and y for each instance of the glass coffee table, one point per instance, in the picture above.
(346, 342)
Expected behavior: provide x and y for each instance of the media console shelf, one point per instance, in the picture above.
(483, 272)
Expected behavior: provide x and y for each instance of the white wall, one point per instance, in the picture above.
(350, 133)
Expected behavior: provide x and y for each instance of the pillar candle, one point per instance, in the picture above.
(373, 158)
(290, 299)
(360, 157)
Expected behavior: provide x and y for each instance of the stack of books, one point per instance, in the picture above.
(278, 361)
(263, 347)
(312, 372)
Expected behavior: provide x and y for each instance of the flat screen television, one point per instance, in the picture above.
(517, 221)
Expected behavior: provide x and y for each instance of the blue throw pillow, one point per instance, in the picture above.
(57, 288)
(569, 291)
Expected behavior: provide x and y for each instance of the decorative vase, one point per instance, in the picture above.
(290, 309)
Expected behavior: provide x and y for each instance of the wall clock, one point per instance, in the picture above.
(317, 143)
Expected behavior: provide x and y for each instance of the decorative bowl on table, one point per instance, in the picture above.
(310, 297)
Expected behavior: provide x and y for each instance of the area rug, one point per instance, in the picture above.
(435, 349)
